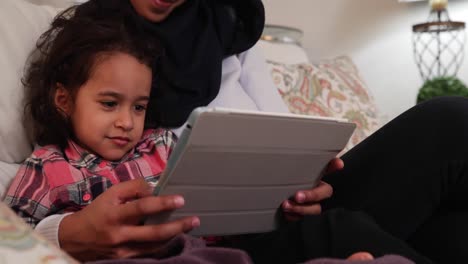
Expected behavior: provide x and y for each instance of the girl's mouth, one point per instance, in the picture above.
(163, 4)
(120, 141)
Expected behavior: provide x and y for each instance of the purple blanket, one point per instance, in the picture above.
(186, 249)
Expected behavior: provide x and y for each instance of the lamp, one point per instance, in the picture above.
(438, 44)
(282, 34)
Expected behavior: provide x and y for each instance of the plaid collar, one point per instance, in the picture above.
(82, 158)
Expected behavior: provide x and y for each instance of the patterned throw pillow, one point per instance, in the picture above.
(331, 88)
(20, 244)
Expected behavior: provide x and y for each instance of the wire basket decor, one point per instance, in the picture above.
(439, 45)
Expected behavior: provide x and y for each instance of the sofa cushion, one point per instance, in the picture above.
(21, 23)
(330, 88)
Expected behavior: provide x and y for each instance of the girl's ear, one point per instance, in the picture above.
(63, 100)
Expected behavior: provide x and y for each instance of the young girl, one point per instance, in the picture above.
(87, 93)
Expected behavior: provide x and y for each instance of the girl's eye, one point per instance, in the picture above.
(108, 104)
(140, 108)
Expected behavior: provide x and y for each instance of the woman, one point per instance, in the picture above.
(406, 181)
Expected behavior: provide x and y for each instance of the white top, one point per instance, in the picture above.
(245, 84)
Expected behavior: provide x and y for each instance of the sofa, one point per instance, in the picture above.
(330, 87)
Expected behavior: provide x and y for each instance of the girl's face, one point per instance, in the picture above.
(108, 112)
(155, 10)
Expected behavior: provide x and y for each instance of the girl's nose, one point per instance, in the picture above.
(125, 120)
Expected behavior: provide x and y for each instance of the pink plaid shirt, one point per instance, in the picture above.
(52, 181)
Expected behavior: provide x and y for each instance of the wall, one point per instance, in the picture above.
(56, 3)
(375, 33)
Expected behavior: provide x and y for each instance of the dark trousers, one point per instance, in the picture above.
(404, 190)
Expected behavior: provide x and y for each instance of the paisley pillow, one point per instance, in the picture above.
(330, 88)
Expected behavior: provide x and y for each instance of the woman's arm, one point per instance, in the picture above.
(256, 80)
(49, 227)
(110, 227)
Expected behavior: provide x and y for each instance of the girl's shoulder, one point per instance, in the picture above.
(47, 152)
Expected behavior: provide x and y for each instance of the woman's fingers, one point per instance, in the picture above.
(134, 211)
(334, 165)
(307, 202)
(317, 194)
(156, 233)
(296, 209)
(130, 190)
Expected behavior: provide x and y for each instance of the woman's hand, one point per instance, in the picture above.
(307, 202)
(110, 226)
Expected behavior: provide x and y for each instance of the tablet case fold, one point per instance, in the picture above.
(235, 168)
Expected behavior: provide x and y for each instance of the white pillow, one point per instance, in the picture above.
(7, 172)
(282, 52)
(21, 24)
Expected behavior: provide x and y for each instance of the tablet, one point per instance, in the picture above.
(235, 167)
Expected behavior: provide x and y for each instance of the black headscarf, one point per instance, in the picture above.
(196, 37)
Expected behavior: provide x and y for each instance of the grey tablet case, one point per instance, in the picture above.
(235, 168)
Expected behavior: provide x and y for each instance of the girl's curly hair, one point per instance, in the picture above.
(66, 54)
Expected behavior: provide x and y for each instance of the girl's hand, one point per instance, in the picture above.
(307, 202)
(110, 226)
